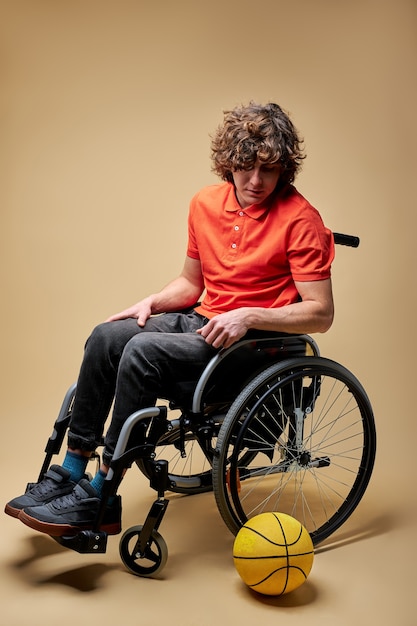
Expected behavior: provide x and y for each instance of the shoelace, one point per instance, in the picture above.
(65, 502)
(44, 487)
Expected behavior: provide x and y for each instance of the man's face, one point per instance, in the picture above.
(255, 185)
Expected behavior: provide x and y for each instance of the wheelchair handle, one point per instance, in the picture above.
(346, 240)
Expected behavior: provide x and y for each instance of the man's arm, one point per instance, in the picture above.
(180, 293)
(314, 314)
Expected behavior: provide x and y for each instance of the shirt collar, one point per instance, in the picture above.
(255, 211)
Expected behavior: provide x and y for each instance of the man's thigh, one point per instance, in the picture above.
(115, 335)
(175, 323)
(172, 356)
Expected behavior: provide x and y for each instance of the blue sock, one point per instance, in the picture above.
(98, 482)
(75, 464)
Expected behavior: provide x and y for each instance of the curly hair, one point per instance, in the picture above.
(256, 132)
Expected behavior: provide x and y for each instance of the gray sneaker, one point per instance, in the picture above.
(74, 512)
(55, 483)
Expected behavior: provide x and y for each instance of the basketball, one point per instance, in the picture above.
(273, 553)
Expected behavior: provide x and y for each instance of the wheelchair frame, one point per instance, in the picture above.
(268, 418)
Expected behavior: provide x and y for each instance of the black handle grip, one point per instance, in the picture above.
(346, 240)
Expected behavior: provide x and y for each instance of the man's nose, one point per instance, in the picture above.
(256, 178)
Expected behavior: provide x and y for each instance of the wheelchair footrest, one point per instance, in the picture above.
(85, 542)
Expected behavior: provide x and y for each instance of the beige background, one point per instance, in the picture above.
(106, 111)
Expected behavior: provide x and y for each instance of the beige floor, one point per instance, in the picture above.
(364, 574)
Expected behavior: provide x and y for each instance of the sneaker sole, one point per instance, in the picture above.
(60, 530)
(9, 510)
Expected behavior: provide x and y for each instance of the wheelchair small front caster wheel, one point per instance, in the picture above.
(152, 561)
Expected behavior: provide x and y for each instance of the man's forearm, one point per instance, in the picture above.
(178, 294)
(300, 317)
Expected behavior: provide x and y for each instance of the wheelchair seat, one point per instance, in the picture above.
(228, 372)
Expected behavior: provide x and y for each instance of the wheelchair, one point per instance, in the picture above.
(271, 425)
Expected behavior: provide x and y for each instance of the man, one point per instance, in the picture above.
(259, 253)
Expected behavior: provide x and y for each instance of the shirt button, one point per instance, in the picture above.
(236, 227)
(241, 213)
(234, 245)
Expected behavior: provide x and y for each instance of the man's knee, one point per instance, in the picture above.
(99, 333)
(142, 347)
(111, 336)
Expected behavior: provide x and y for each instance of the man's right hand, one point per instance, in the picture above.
(141, 311)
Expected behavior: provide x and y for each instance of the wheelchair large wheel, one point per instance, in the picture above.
(299, 439)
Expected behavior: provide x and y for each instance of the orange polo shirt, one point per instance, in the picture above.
(252, 256)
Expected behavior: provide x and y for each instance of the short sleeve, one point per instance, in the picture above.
(310, 248)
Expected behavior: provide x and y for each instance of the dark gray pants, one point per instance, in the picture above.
(133, 366)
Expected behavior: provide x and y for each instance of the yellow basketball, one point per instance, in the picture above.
(273, 553)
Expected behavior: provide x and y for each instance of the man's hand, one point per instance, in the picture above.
(225, 329)
(141, 311)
